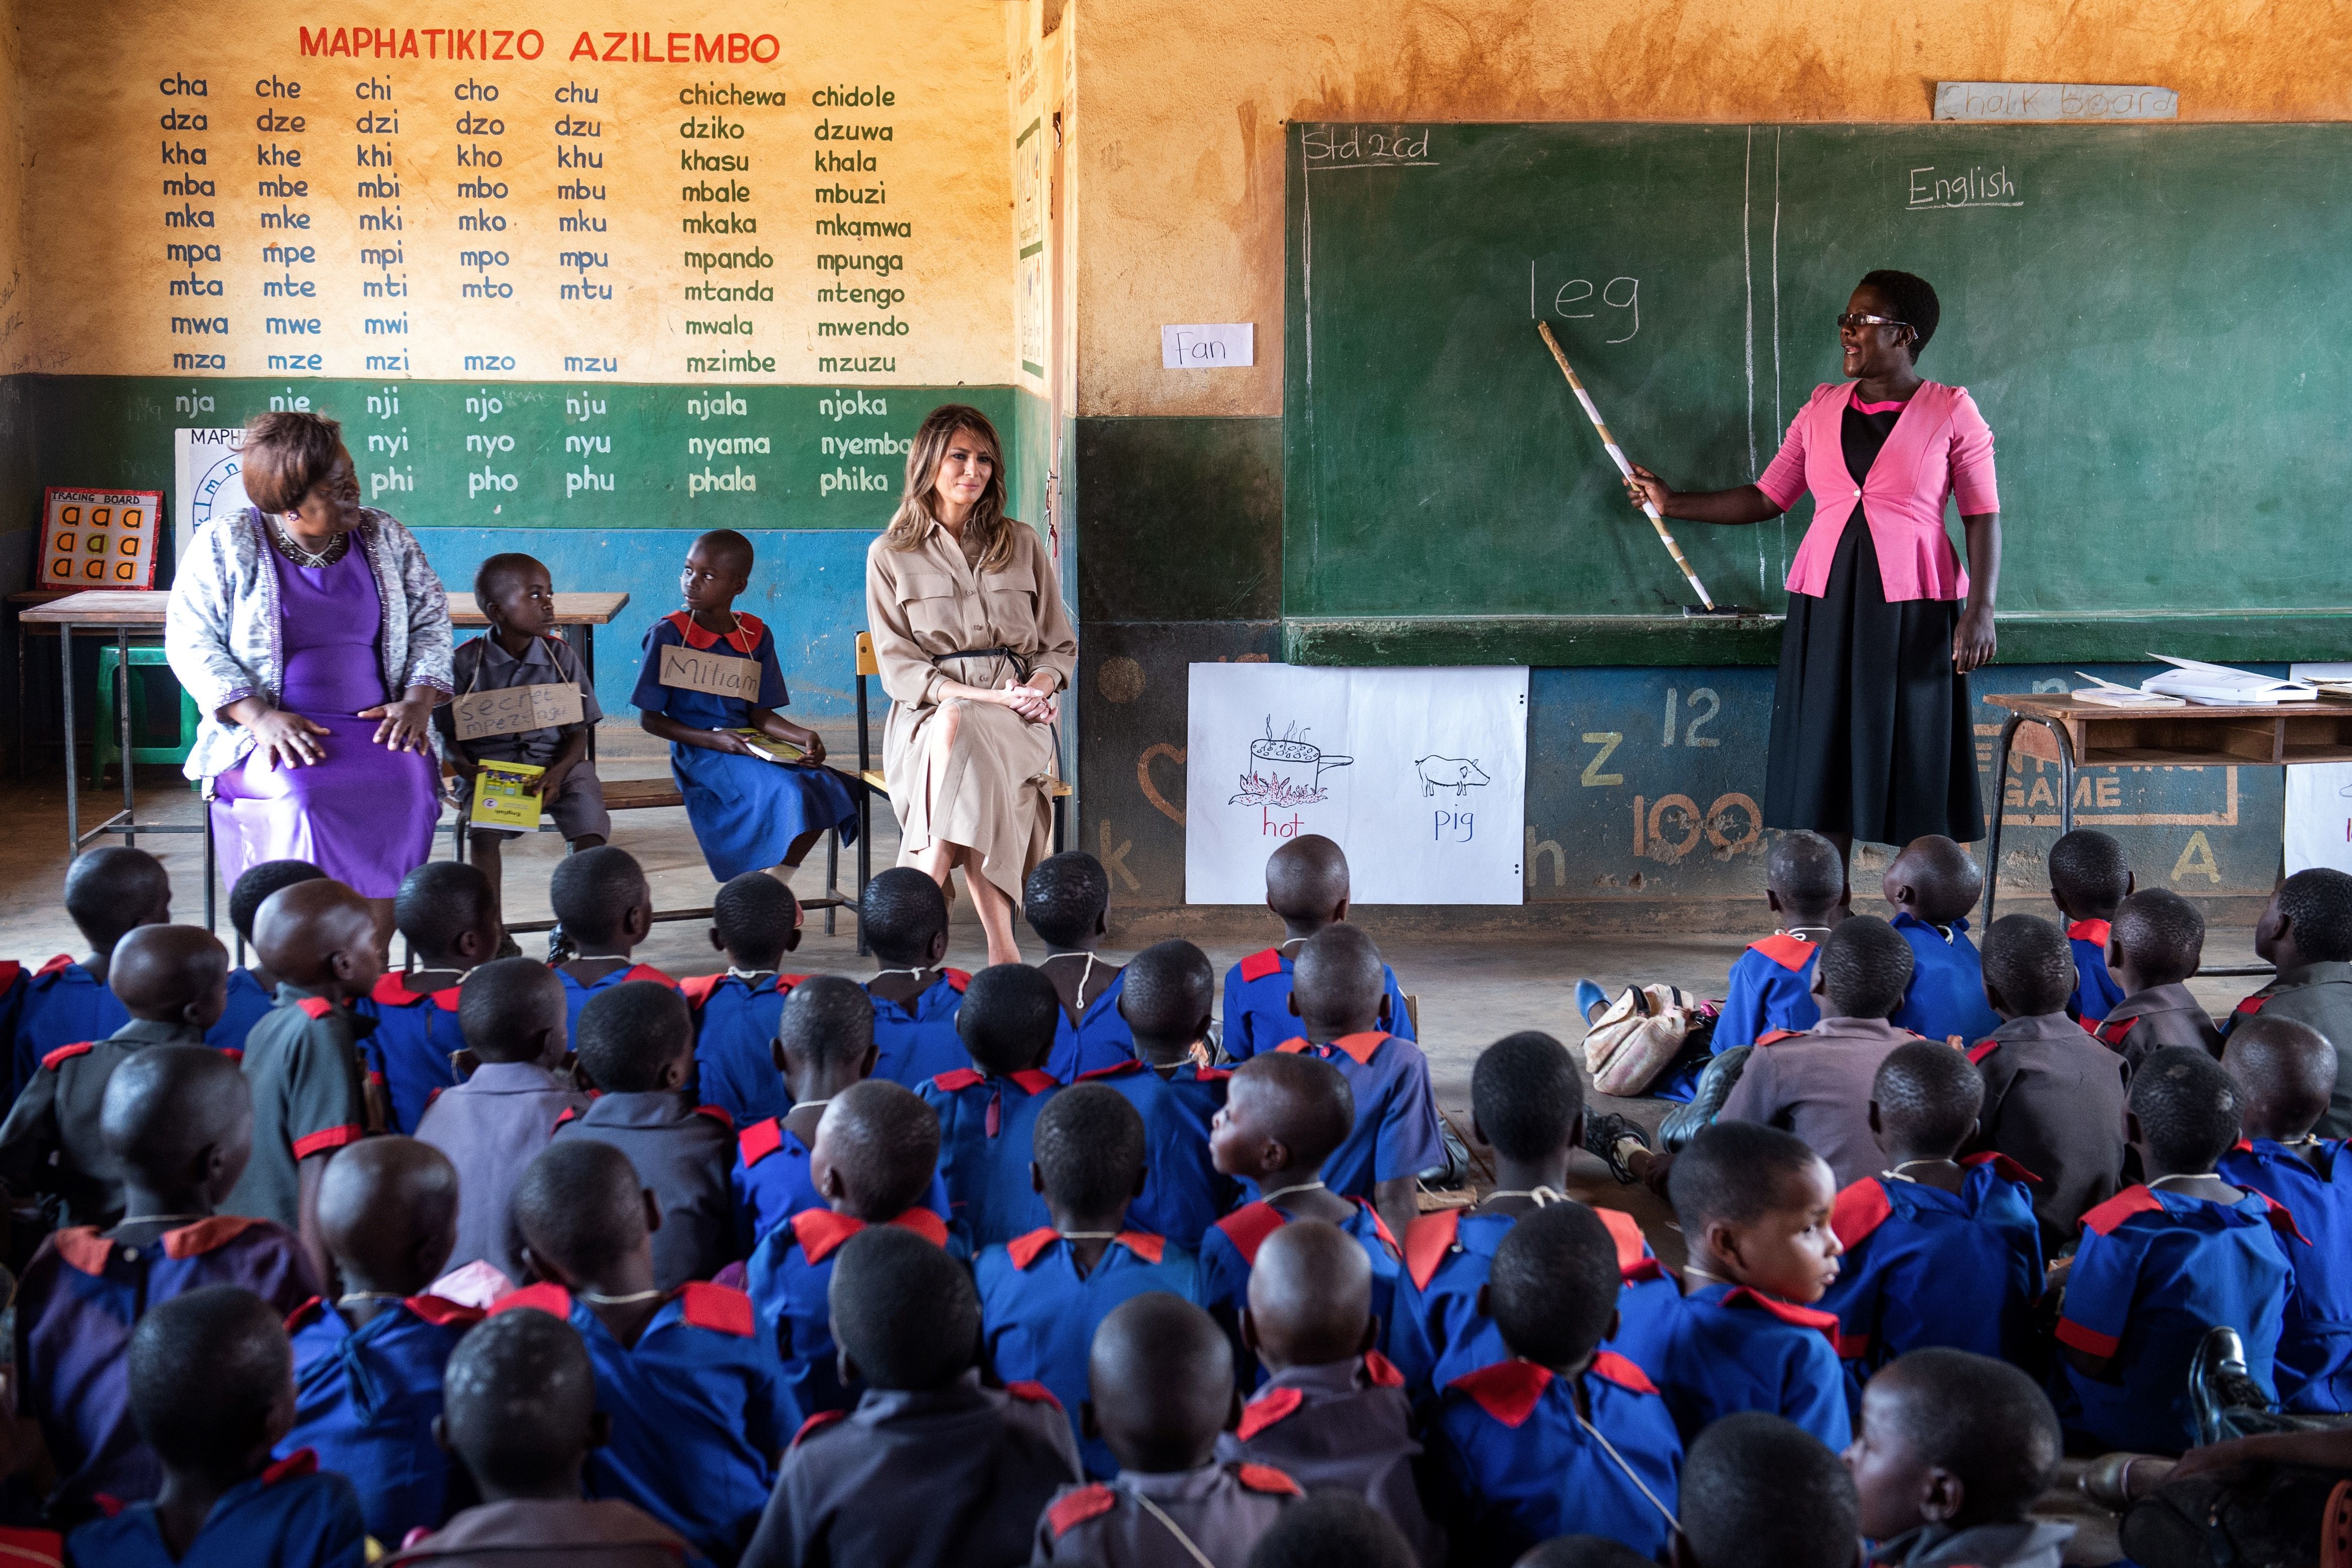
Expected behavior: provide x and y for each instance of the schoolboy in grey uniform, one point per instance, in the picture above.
(2154, 946)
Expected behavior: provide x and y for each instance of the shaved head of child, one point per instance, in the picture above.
(1168, 999)
(212, 1385)
(636, 1038)
(875, 1150)
(112, 890)
(1950, 1438)
(519, 1406)
(320, 936)
(2157, 939)
(1934, 879)
(252, 889)
(728, 552)
(1306, 884)
(388, 1212)
(2185, 1112)
(1090, 1151)
(512, 1010)
(1804, 878)
(825, 1033)
(1339, 986)
(1757, 1491)
(179, 1120)
(2089, 875)
(601, 899)
(1161, 1384)
(1284, 1116)
(1866, 968)
(170, 974)
(1527, 1099)
(1925, 1101)
(1008, 1019)
(2287, 1072)
(755, 921)
(1333, 1529)
(2309, 920)
(1066, 900)
(1310, 1298)
(1754, 1206)
(904, 1314)
(904, 917)
(449, 912)
(583, 1215)
(2028, 967)
(1552, 1289)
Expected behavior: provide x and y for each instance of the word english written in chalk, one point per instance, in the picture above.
(1973, 187)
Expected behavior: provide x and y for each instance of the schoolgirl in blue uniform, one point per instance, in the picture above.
(747, 812)
(365, 1400)
(2090, 875)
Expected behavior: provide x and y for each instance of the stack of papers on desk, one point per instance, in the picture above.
(2328, 679)
(2108, 694)
(2219, 685)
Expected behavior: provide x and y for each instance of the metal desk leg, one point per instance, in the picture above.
(73, 797)
(583, 639)
(2000, 807)
(122, 714)
(23, 648)
(831, 878)
(865, 858)
(211, 863)
(2065, 776)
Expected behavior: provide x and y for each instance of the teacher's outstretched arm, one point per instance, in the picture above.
(1972, 640)
(1739, 504)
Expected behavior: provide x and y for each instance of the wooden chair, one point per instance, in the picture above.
(871, 776)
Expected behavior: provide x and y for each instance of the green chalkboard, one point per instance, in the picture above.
(2153, 320)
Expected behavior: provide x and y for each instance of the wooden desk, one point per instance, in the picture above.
(580, 612)
(2059, 729)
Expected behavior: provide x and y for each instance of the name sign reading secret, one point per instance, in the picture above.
(715, 673)
(515, 709)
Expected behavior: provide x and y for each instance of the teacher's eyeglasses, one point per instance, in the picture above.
(1855, 321)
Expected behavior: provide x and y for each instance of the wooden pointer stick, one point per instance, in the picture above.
(1617, 456)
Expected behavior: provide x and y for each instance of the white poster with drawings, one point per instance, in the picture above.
(205, 483)
(1419, 775)
(2319, 798)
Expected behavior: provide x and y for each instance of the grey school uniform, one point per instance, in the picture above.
(50, 1142)
(1817, 1085)
(482, 665)
(1344, 1427)
(1220, 1510)
(2319, 994)
(2150, 1020)
(2054, 1103)
(492, 1126)
(687, 1155)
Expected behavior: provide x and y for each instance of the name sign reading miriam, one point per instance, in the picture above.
(715, 673)
(2053, 100)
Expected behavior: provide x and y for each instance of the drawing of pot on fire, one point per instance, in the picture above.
(1275, 768)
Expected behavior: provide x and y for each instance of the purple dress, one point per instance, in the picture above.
(365, 815)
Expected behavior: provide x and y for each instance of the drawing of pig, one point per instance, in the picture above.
(1456, 773)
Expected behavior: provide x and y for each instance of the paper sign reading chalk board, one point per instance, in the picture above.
(98, 539)
(516, 709)
(715, 673)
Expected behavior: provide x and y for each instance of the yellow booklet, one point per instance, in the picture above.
(768, 746)
(499, 799)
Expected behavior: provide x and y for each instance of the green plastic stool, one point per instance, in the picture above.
(106, 745)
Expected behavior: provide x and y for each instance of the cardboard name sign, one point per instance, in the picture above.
(515, 709)
(717, 673)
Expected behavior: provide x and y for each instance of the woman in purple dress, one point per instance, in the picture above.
(315, 641)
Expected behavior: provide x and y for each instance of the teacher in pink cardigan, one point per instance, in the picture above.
(1871, 726)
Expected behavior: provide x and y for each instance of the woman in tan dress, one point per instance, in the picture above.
(973, 645)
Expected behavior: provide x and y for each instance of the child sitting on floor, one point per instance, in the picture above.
(2287, 1073)
(1951, 1453)
(2090, 877)
(904, 917)
(495, 1124)
(930, 1467)
(1066, 901)
(2154, 947)
(1333, 1414)
(178, 1121)
(450, 914)
(1161, 1391)
(698, 1402)
(252, 987)
(1761, 1492)
(368, 1368)
(1933, 885)
(109, 891)
(173, 980)
(2306, 932)
(211, 1391)
(1165, 994)
(1754, 1204)
(1307, 885)
(2161, 1264)
(2053, 1100)
(521, 1413)
(1938, 1251)
(755, 921)
(874, 1154)
(750, 809)
(988, 1109)
(1563, 1437)
(603, 909)
(1042, 1295)
(636, 1047)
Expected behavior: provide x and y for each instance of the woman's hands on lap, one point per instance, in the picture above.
(1036, 706)
(289, 740)
(404, 723)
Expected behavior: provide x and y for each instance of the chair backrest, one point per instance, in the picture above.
(866, 663)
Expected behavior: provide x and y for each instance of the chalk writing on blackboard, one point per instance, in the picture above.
(1266, 785)
(1974, 187)
(713, 672)
(516, 709)
(1367, 147)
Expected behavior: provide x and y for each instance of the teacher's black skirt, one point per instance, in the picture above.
(1871, 726)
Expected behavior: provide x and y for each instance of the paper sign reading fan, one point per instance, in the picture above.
(713, 672)
(516, 709)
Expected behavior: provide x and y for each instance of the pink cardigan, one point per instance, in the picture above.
(1940, 448)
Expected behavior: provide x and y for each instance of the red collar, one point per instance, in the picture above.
(1026, 1250)
(1360, 1048)
(821, 1232)
(1508, 1390)
(2089, 931)
(390, 993)
(1787, 1311)
(1792, 952)
(744, 638)
(85, 1249)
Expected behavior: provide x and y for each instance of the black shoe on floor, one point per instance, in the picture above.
(1606, 1134)
(2221, 1393)
(1715, 1086)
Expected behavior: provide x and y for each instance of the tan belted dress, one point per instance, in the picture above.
(989, 790)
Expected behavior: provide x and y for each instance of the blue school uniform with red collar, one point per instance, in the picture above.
(1437, 1333)
(699, 1410)
(81, 1296)
(988, 1129)
(2153, 1271)
(246, 1004)
(1229, 1250)
(1923, 1267)
(291, 1515)
(1396, 1132)
(408, 1054)
(745, 811)
(1945, 997)
(1038, 1313)
(772, 1182)
(1183, 1193)
(735, 1023)
(365, 1400)
(1727, 1348)
(2096, 988)
(576, 995)
(1257, 1016)
(1100, 1038)
(2315, 1350)
(1512, 1465)
(915, 1041)
(59, 1004)
(787, 1280)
